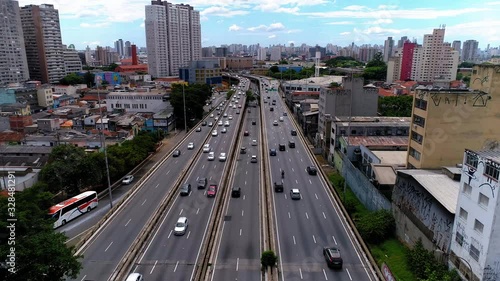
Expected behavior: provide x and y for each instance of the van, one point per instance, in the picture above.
(135, 277)
(236, 192)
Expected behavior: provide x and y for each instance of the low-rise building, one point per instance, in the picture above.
(45, 97)
(202, 72)
(239, 63)
(135, 102)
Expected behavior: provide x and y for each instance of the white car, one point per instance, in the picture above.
(214, 133)
(128, 179)
(225, 115)
(224, 130)
(220, 123)
(282, 119)
(206, 148)
(234, 106)
(275, 123)
(190, 145)
(226, 124)
(211, 156)
(181, 226)
(230, 117)
(254, 142)
(212, 115)
(222, 157)
(210, 124)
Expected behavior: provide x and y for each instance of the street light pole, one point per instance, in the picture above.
(184, 101)
(103, 141)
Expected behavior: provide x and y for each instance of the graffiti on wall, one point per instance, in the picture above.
(491, 271)
(411, 197)
(477, 99)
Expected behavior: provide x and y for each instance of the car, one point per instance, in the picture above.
(254, 122)
(333, 257)
(206, 148)
(222, 157)
(190, 145)
(275, 123)
(253, 159)
(281, 119)
(246, 133)
(176, 153)
(220, 123)
(128, 179)
(239, 105)
(272, 152)
(243, 150)
(291, 144)
(212, 190)
(211, 156)
(225, 115)
(226, 124)
(185, 189)
(224, 130)
(198, 129)
(237, 112)
(202, 183)
(210, 124)
(282, 147)
(216, 118)
(271, 109)
(254, 142)
(285, 114)
(293, 132)
(135, 277)
(311, 170)
(295, 194)
(214, 133)
(230, 117)
(204, 123)
(181, 226)
(236, 192)
(212, 115)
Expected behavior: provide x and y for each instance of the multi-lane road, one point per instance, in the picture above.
(301, 227)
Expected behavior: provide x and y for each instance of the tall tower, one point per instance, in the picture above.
(13, 63)
(42, 38)
(173, 37)
(119, 47)
(388, 46)
(469, 51)
(457, 46)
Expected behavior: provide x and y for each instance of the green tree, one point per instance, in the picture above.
(196, 97)
(459, 76)
(88, 79)
(283, 62)
(395, 106)
(466, 64)
(274, 69)
(250, 97)
(376, 226)
(268, 258)
(376, 69)
(424, 265)
(41, 253)
(110, 67)
(466, 80)
(71, 79)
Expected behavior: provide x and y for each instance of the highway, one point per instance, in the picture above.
(176, 256)
(103, 254)
(238, 254)
(307, 225)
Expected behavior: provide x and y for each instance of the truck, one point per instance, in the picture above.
(278, 186)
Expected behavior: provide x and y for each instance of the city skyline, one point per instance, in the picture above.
(266, 22)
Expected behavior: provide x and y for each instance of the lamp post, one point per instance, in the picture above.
(184, 102)
(103, 140)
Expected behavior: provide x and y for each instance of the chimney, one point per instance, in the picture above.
(134, 54)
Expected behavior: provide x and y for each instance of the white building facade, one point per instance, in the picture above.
(134, 102)
(475, 244)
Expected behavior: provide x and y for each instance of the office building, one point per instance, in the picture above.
(42, 39)
(127, 50)
(13, 62)
(173, 37)
(445, 122)
(469, 50)
(388, 46)
(72, 62)
(119, 48)
(457, 46)
(402, 41)
(206, 71)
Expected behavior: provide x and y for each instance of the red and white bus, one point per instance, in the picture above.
(73, 207)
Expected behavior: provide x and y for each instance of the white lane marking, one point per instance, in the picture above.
(289, 215)
(108, 246)
(334, 240)
(285, 195)
(168, 172)
(237, 263)
(242, 212)
(293, 170)
(170, 234)
(314, 238)
(245, 182)
(84, 277)
(152, 269)
(181, 212)
(175, 268)
(310, 182)
(324, 273)
(324, 215)
(294, 242)
(348, 273)
(157, 185)
(128, 222)
(246, 172)
(296, 181)
(240, 231)
(301, 160)
(197, 211)
(300, 271)
(188, 235)
(316, 196)
(243, 197)
(307, 216)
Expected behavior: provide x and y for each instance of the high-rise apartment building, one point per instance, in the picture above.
(173, 37)
(72, 62)
(13, 62)
(402, 41)
(119, 47)
(407, 60)
(469, 50)
(388, 46)
(42, 39)
(457, 46)
(127, 51)
(445, 122)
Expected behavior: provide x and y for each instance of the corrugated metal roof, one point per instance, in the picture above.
(377, 140)
(440, 186)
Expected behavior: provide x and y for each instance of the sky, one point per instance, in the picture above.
(271, 22)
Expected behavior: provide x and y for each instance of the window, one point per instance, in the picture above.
(415, 154)
(467, 189)
(474, 252)
(420, 103)
(471, 159)
(416, 137)
(483, 200)
(420, 121)
(478, 226)
(459, 238)
(463, 214)
(492, 170)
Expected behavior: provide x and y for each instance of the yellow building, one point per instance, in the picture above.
(447, 121)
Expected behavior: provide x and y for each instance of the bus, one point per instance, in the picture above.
(73, 207)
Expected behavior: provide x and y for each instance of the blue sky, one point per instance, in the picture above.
(269, 22)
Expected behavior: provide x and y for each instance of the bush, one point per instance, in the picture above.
(375, 227)
(268, 258)
(425, 266)
(350, 205)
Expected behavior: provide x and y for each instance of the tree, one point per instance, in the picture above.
(110, 67)
(466, 64)
(274, 69)
(88, 79)
(376, 226)
(376, 69)
(395, 106)
(268, 258)
(196, 96)
(250, 96)
(41, 253)
(459, 76)
(71, 79)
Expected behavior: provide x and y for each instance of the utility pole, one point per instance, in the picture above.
(103, 140)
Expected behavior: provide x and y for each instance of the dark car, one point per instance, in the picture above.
(332, 257)
(291, 144)
(246, 133)
(212, 190)
(282, 147)
(202, 183)
(272, 109)
(293, 132)
(185, 189)
(243, 150)
(176, 153)
(236, 192)
(254, 122)
(311, 170)
(272, 152)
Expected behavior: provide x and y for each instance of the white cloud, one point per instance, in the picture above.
(381, 21)
(272, 36)
(94, 25)
(142, 25)
(340, 22)
(345, 33)
(234, 27)
(355, 8)
(272, 27)
(493, 3)
(222, 12)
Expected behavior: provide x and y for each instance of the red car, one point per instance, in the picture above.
(212, 190)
